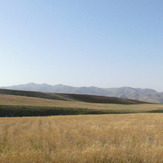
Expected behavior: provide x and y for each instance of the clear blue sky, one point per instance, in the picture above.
(104, 43)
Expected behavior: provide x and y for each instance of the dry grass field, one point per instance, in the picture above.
(120, 138)
(112, 138)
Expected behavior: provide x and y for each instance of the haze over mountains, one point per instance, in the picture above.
(148, 95)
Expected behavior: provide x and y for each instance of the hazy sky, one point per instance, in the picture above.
(104, 43)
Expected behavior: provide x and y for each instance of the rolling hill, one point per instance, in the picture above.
(148, 95)
(30, 103)
(71, 97)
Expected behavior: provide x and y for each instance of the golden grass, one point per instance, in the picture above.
(32, 101)
(130, 138)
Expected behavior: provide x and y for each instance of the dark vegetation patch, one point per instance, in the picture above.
(156, 111)
(101, 99)
(19, 111)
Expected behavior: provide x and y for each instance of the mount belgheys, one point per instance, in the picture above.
(148, 95)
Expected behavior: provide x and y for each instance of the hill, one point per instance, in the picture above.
(100, 99)
(31, 94)
(148, 95)
(29, 103)
(70, 97)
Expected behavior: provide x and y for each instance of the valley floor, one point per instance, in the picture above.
(120, 138)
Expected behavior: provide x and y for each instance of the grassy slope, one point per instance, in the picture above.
(32, 94)
(11, 105)
(27, 103)
(70, 97)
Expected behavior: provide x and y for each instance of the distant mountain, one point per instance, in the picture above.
(148, 95)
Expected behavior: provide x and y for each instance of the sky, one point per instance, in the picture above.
(103, 43)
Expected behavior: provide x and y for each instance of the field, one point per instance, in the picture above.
(76, 138)
(120, 138)
(14, 105)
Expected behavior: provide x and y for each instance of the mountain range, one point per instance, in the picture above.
(148, 95)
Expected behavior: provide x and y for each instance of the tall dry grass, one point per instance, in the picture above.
(134, 138)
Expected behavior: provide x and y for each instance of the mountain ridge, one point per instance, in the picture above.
(148, 95)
